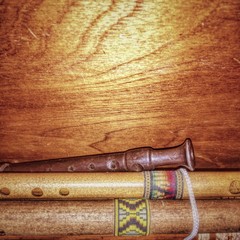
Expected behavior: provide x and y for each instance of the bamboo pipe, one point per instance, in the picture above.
(200, 236)
(218, 236)
(116, 217)
(133, 160)
(151, 185)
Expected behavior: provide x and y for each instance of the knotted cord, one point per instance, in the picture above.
(195, 214)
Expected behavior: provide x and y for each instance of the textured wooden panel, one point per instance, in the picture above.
(87, 77)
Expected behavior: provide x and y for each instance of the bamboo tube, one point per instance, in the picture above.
(200, 236)
(218, 236)
(153, 185)
(116, 217)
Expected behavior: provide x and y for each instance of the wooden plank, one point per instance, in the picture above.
(83, 77)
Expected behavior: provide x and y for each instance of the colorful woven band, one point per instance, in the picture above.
(163, 185)
(132, 217)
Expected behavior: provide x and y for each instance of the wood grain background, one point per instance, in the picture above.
(89, 77)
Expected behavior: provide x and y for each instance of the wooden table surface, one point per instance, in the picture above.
(90, 77)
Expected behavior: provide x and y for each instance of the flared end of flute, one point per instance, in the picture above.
(189, 154)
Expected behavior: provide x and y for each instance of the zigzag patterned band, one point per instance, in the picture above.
(132, 217)
(163, 185)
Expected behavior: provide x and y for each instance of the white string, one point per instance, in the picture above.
(195, 214)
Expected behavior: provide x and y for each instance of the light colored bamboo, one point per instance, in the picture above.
(108, 185)
(97, 217)
(72, 185)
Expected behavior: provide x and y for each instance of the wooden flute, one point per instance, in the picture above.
(148, 184)
(178, 236)
(120, 217)
(139, 159)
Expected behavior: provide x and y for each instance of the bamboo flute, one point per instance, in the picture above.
(150, 185)
(200, 236)
(120, 217)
